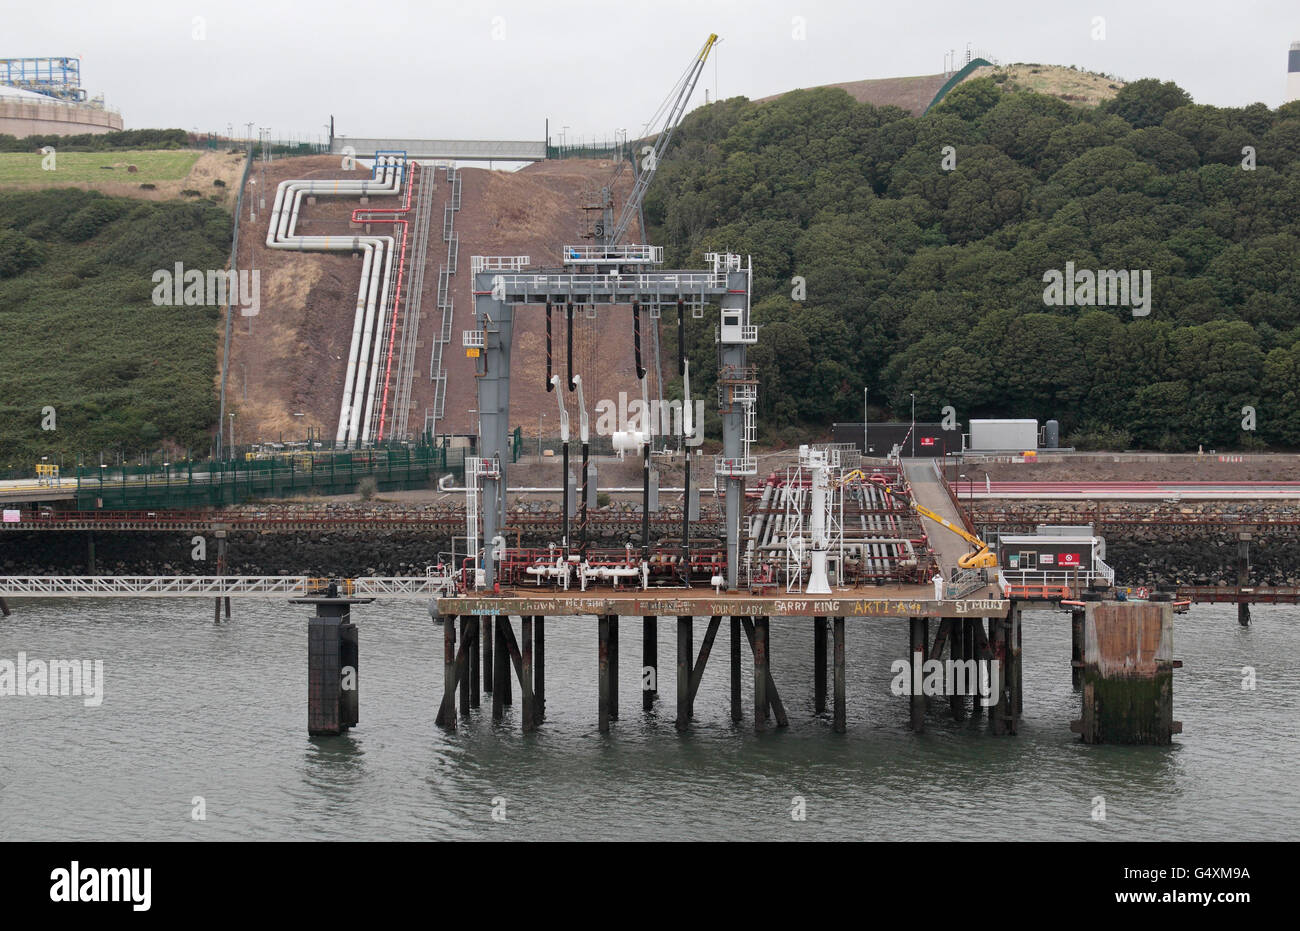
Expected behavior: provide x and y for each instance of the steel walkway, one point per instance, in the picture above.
(929, 490)
(208, 586)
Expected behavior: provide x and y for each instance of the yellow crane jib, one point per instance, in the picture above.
(708, 45)
(982, 558)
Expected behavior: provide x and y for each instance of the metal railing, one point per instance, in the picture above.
(232, 481)
(485, 263)
(205, 586)
(617, 255)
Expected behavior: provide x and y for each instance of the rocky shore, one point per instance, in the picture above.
(1151, 543)
(1148, 543)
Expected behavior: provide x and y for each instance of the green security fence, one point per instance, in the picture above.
(212, 484)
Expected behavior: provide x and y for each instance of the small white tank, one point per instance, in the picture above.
(1293, 73)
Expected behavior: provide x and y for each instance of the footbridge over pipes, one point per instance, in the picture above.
(461, 150)
(929, 490)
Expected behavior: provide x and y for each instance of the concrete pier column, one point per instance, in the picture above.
(957, 652)
(819, 665)
(1243, 575)
(90, 552)
(539, 666)
(1076, 649)
(1128, 674)
(332, 705)
(505, 682)
(475, 626)
(839, 721)
(4, 608)
(526, 673)
(613, 667)
(447, 713)
(649, 662)
(221, 571)
(915, 655)
(735, 669)
(500, 670)
(760, 673)
(1004, 644)
(1015, 679)
(466, 638)
(976, 649)
(489, 641)
(685, 628)
(603, 684)
(350, 675)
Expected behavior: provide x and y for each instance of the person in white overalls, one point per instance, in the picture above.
(938, 587)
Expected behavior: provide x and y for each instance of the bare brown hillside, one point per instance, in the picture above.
(294, 352)
(914, 94)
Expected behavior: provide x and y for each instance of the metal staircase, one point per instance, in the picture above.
(411, 317)
(437, 370)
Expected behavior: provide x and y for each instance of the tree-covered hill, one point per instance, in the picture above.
(79, 331)
(927, 280)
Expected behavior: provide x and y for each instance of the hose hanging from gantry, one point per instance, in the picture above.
(564, 477)
(584, 435)
(568, 313)
(549, 385)
(683, 366)
(681, 337)
(645, 431)
(636, 338)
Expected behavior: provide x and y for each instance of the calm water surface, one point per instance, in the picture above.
(196, 709)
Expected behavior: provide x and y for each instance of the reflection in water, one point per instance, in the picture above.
(219, 711)
(331, 763)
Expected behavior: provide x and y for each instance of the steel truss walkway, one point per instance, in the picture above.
(462, 150)
(205, 586)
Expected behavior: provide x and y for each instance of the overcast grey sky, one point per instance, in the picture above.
(432, 68)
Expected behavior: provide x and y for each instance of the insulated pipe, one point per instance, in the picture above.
(550, 382)
(568, 313)
(369, 374)
(681, 337)
(397, 296)
(445, 486)
(636, 338)
(281, 235)
(358, 321)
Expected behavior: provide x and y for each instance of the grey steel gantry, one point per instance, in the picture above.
(615, 275)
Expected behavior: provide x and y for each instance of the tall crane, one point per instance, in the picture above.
(650, 162)
(982, 558)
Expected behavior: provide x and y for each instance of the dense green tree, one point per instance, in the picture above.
(1147, 102)
(926, 274)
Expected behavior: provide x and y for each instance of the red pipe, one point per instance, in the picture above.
(401, 269)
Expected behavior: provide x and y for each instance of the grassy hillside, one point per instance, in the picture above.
(928, 276)
(80, 331)
(72, 167)
(1086, 88)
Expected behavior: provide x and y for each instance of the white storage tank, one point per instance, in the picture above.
(1293, 73)
(1003, 435)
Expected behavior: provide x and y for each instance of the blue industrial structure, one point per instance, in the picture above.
(54, 77)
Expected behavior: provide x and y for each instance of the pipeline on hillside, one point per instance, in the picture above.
(372, 308)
